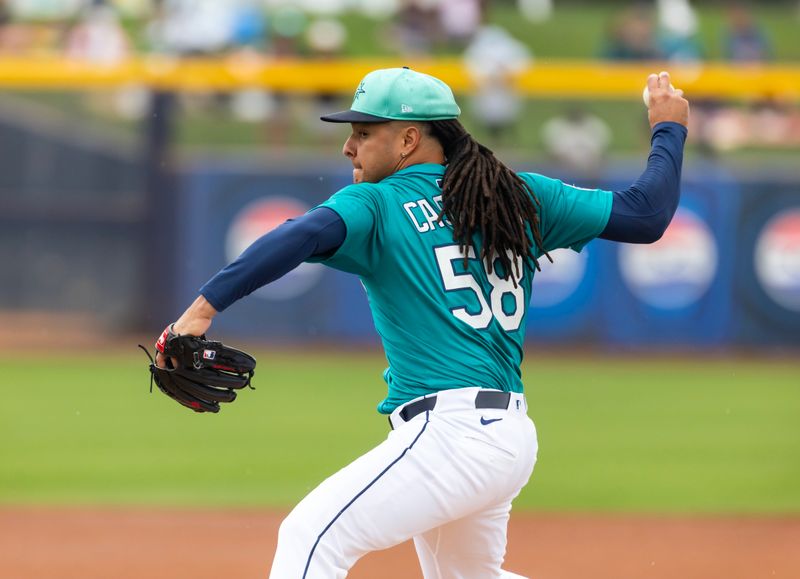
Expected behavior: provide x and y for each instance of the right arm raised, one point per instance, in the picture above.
(642, 212)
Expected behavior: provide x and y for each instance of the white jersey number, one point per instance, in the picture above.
(445, 256)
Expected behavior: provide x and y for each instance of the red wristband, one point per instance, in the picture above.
(163, 339)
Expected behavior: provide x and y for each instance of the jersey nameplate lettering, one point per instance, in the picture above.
(424, 215)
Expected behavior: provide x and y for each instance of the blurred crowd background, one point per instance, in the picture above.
(495, 39)
(98, 187)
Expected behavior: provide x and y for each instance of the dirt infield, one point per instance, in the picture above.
(71, 543)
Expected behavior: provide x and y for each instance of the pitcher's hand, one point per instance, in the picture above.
(665, 103)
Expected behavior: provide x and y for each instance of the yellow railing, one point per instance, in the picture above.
(544, 79)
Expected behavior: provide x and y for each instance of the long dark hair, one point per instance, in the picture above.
(481, 195)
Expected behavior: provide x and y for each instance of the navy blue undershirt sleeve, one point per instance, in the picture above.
(642, 212)
(317, 233)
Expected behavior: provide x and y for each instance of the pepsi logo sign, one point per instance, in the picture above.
(777, 259)
(677, 270)
(558, 280)
(256, 219)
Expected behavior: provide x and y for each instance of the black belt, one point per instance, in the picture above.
(484, 399)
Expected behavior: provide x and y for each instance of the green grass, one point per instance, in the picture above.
(674, 435)
(651, 435)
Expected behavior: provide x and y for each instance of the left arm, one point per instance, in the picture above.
(317, 233)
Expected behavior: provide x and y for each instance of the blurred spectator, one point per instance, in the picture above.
(774, 124)
(677, 31)
(46, 10)
(415, 27)
(768, 124)
(248, 40)
(721, 129)
(460, 20)
(493, 59)
(325, 38)
(322, 7)
(744, 40)
(249, 30)
(138, 9)
(577, 139)
(237, 29)
(5, 21)
(253, 105)
(288, 24)
(377, 9)
(98, 37)
(192, 27)
(536, 10)
(764, 123)
(632, 35)
(34, 27)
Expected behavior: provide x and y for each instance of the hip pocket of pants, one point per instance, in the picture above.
(494, 449)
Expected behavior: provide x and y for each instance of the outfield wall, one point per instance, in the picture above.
(727, 272)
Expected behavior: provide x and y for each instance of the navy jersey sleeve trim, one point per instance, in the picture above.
(642, 212)
(318, 233)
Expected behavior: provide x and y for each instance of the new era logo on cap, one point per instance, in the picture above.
(406, 109)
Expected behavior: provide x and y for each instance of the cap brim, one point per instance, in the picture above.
(352, 117)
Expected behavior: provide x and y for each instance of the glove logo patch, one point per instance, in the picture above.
(209, 354)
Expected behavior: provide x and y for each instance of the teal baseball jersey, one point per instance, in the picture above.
(444, 325)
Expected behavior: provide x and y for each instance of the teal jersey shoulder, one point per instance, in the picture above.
(445, 324)
(569, 216)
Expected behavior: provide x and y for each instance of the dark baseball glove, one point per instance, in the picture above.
(200, 373)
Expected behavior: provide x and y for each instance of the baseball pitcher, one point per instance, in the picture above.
(446, 240)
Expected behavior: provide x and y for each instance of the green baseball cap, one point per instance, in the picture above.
(398, 94)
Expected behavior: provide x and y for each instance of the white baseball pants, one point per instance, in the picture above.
(446, 478)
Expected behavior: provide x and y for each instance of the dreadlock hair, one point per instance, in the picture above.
(481, 195)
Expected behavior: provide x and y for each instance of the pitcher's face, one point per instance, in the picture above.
(375, 149)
